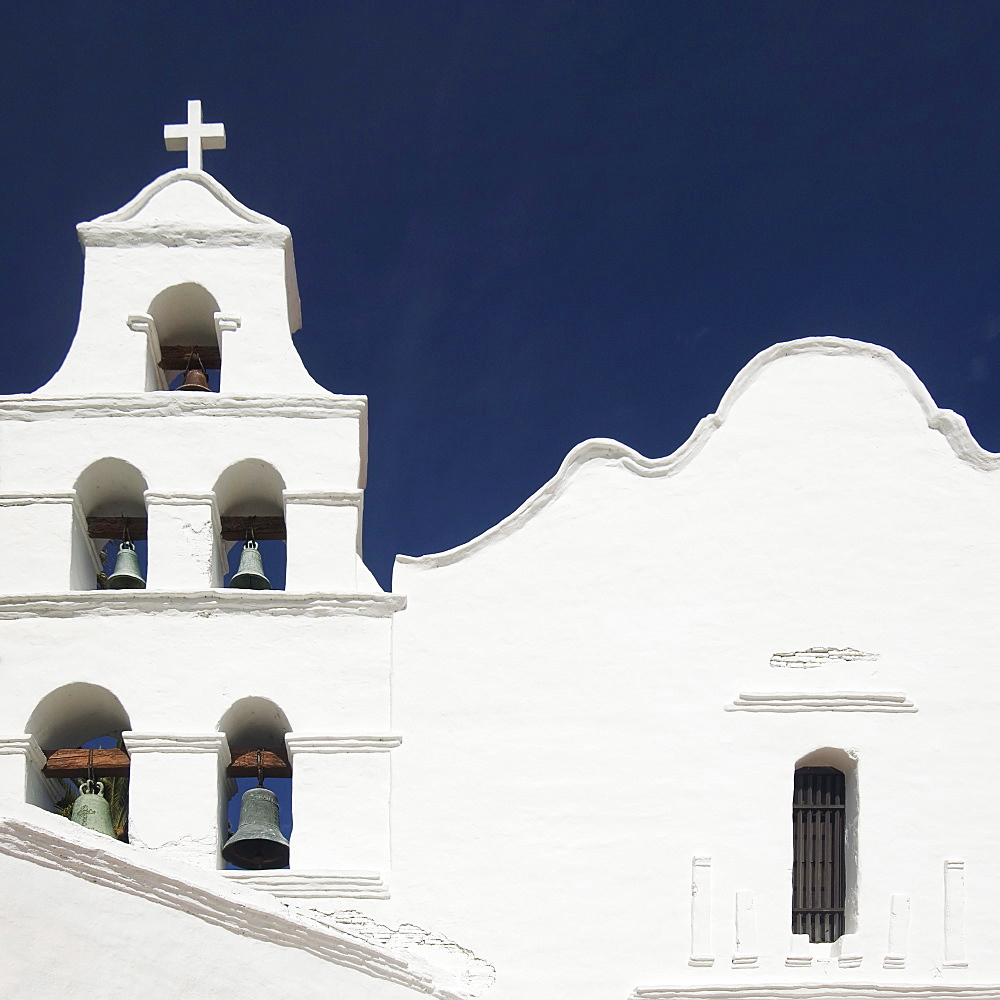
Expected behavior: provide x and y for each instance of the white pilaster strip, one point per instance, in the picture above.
(954, 915)
(702, 956)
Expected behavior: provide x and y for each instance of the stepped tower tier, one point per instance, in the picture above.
(190, 671)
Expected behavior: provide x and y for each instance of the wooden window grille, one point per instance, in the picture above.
(818, 878)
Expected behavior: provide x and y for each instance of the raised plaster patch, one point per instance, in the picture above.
(469, 974)
(818, 656)
(821, 701)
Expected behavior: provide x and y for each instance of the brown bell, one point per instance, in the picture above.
(195, 380)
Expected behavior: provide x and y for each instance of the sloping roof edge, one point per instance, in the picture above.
(36, 837)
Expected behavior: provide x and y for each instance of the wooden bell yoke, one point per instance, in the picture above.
(113, 763)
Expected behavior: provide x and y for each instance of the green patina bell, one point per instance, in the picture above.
(91, 808)
(127, 574)
(258, 842)
(250, 575)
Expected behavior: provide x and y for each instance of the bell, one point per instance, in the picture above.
(258, 842)
(92, 810)
(127, 575)
(250, 575)
(195, 380)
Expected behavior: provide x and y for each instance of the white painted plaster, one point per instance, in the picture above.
(511, 761)
(821, 554)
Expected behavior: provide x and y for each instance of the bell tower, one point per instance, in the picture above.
(181, 423)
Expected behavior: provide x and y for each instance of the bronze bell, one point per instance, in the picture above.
(250, 575)
(127, 575)
(195, 380)
(91, 808)
(258, 843)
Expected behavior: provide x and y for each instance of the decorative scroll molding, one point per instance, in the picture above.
(227, 323)
(899, 927)
(702, 956)
(746, 956)
(818, 656)
(176, 743)
(39, 838)
(205, 603)
(25, 745)
(313, 884)
(315, 743)
(146, 325)
(954, 915)
(819, 991)
(946, 422)
(821, 701)
(324, 498)
(179, 404)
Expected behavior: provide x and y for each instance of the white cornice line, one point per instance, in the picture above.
(173, 404)
(821, 991)
(25, 745)
(317, 743)
(821, 701)
(175, 742)
(325, 498)
(80, 853)
(946, 422)
(105, 603)
(313, 884)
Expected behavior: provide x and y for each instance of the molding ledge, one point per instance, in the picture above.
(822, 701)
(175, 743)
(164, 403)
(38, 838)
(313, 884)
(25, 745)
(848, 990)
(315, 743)
(204, 603)
(610, 452)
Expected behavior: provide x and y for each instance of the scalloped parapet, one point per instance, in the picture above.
(184, 262)
(899, 387)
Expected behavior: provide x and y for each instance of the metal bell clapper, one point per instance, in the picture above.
(250, 575)
(257, 843)
(92, 810)
(127, 575)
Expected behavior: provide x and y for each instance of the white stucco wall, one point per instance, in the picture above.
(566, 688)
(566, 766)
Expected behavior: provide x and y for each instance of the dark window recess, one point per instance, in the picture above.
(818, 880)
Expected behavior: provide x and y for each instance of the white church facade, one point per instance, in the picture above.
(716, 725)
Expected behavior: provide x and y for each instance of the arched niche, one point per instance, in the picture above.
(254, 723)
(845, 762)
(184, 317)
(111, 497)
(71, 716)
(249, 495)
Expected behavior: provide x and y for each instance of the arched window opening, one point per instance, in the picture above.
(184, 316)
(251, 506)
(253, 836)
(824, 846)
(79, 729)
(111, 553)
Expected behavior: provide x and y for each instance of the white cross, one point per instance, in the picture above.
(194, 136)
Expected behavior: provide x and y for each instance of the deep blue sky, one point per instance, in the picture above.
(522, 224)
